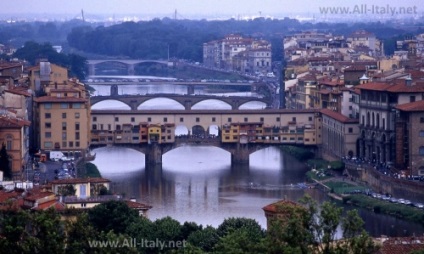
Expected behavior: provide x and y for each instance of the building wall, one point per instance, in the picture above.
(13, 138)
(53, 135)
(415, 134)
(339, 139)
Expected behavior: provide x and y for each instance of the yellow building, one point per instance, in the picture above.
(12, 134)
(62, 118)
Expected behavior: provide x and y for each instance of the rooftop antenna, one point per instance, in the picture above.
(82, 15)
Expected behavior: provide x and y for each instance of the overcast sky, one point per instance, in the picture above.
(187, 7)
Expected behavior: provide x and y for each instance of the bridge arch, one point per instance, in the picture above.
(253, 104)
(110, 104)
(215, 103)
(166, 103)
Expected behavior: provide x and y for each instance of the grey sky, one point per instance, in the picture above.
(188, 7)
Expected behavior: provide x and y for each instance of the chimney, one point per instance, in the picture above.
(408, 80)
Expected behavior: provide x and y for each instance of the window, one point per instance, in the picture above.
(421, 133)
(47, 115)
(109, 127)
(71, 144)
(132, 119)
(63, 115)
(229, 119)
(350, 130)
(116, 119)
(64, 105)
(48, 144)
(77, 144)
(149, 119)
(421, 150)
(94, 126)
(101, 126)
(47, 105)
(421, 119)
(293, 119)
(9, 142)
(310, 118)
(76, 105)
(278, 119)
(411, 98)
(165, 119)
(64, 144)
(63, 126)
(94, 118)
(48, 134)
(181, 119)
(197, 119)
(261, 119)
(77, 126)
(47, 125)
(77, 115)
(246, 119)
(213, 119)
(77, 135)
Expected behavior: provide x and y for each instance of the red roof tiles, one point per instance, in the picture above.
(416, 106)
(339, 117)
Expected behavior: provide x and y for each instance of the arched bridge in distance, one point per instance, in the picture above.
(187, 101)
(131, 63)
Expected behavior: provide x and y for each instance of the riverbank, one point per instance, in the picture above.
(344, 189)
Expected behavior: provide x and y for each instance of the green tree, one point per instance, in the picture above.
(48, 229)
(79, 233)
(239, 241)
(5, 163)
(204, 239)
(67, 190)
(232, 224)
(112, 215)
(14, 236)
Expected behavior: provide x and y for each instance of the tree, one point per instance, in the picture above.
(240, 241)
(310, 229)
(205, 239)
(4, 163)
(232, 224)
(67, 190)
(48, 229)
(112, 215)
(14, 236)
(79, 233)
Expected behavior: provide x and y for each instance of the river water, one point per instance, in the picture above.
(198, 183)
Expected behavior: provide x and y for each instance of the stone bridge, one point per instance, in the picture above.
(239, 152)
(129, 62)
(188, 101)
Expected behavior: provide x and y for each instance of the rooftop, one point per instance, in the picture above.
(339, 117)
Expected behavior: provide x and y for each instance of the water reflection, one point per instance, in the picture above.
(198, 183)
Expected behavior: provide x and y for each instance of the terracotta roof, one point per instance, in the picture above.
(6, 195)
(273, 207)
(11, 122)
(58, 206)
(416, 106)
(324, 91)
(19, 91)
(59, 99)
(137, 205)
(337, 116)
(398, 245)
(34, 196)
(81, 180)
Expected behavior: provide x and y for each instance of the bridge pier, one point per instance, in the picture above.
(190, 89)
(91, 70)
(154, 154)
(131, 69)
(240, 155)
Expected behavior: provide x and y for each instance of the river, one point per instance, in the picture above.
(198, 183)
